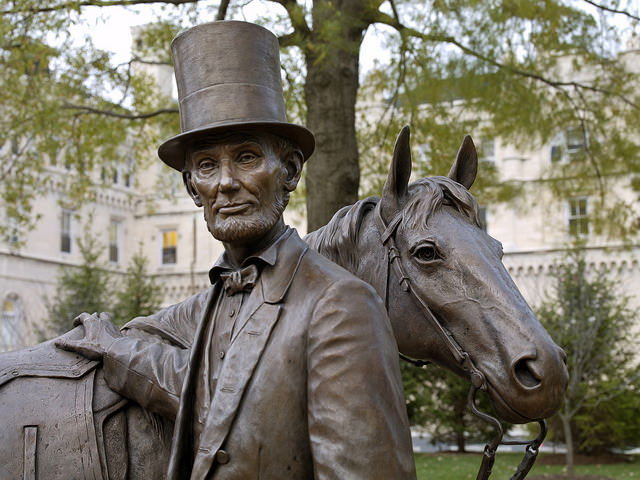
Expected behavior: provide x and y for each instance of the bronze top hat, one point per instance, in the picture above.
(228, 76)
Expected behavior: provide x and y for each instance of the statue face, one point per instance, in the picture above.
(242, 185)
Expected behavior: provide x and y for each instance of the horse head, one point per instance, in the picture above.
(453, 268)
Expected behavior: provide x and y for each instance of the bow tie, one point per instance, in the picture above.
(241, 280)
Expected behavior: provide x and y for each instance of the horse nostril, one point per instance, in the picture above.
(524, 373)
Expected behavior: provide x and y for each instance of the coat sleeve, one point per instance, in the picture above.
(358, 423)
(150, 363)
(149, 372)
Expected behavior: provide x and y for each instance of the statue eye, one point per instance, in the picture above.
(425, 252)
(247, 157)
(207, 164)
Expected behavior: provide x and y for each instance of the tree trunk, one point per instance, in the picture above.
(332, 55)
(568, 440)
(461, 408)
(460, 442)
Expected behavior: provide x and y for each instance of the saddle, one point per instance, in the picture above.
(59, 419)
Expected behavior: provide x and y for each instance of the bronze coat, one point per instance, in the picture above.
(310, 386)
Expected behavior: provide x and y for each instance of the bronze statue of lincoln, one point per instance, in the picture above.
(290, 370)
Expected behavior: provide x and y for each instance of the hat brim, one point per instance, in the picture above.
(173, 151)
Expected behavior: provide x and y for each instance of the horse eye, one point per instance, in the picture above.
(426, 253)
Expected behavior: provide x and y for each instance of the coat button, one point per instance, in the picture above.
(222, 457)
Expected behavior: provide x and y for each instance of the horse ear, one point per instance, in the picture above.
(465, 168)
(396, 187)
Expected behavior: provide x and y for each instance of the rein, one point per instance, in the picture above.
(478, 380)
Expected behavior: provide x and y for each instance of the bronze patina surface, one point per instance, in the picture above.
(286, 367)
(291, 370)
(455, 268)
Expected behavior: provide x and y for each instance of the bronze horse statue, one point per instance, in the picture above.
(420, 246)
(442, 260)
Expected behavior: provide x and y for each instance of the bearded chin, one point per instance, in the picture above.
(240, 229)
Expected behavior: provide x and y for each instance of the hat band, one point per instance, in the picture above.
(229, 103)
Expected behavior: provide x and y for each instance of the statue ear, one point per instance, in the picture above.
(293, 165)
(186, 179)
(465, 168)
(395, 191)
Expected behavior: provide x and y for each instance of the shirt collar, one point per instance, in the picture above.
(268, 256)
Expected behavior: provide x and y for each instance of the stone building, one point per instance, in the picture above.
(537, 228)
(129, 215)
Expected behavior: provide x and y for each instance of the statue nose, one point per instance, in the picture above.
(227, 180)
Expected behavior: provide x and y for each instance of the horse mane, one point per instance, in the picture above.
(426, 195)
(338, 239)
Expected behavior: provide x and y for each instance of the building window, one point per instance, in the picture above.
(575, 140)
(487, 150)
(115, 228)
(9, 320)
(169, 247)
(13, 227)
(578, 216)
(65, 231)
(127, 176)
(568, 144)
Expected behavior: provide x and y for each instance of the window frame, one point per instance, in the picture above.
(563, 149)
(165, 251)
(117, 247)
(580, 219)
(66, 213)
(482, 147)
(9, 323)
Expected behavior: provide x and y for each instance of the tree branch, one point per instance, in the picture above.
(404, 30)
(296, 15)
(613, 10)
(289, 40)
(402, 70)
(126, 116)
(222, 9)
(95, 3)
(147, 62)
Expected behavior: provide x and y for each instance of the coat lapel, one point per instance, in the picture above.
(182, 441)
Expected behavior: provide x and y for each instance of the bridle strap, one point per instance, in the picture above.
(462, 357)
(478, 380)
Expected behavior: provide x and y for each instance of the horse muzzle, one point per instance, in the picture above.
(535, 389)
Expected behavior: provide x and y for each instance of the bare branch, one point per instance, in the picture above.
(110, 113)
(612, 10)
(399, 81)
(222, 10)
(289, 40)
(296, 15)
(95, 3)
(404, 30)
(148, 62)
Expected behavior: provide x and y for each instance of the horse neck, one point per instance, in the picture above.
(351, 239)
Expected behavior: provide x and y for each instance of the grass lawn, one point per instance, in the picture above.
(453, 466)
